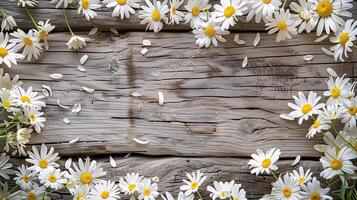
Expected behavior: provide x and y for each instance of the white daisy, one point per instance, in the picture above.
(264, 162)
(52, 178)
(301, 176)
(194, 182)
(63, 3)
(262, 9)
(286, 188)
(35, 117)
(154, 14)
(284, 24)
(7, 54)
(209, 32)
(44, 28)
(337, 162)
(6, 99)
(106, 190)
(6, 82)
(123, 8)
(305, 12)
(8, 22)
(329, 13)
(319, 125)
(339, 89)
(5, 166)
(88, 172)
(181, 196)
(313, 190)
(147, 191)
(332, 112)
(81, 192)
(349, 116)
(87, 7)
(220, 190)
(43, 159)
(28, 42)
(228, 11)
(175, 15)
(303, 108)
(196, 12)
(237, 193)
(344, 39)
(27, 98)
(35, 193)
(129, 184)
(24, 3)
(76, 42)
(23, 136)
(25, 177)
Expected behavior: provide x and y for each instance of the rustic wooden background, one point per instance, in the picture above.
(215, 114)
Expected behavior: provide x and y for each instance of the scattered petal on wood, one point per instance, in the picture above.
(56, 76)
(74, 140)
(146, 43)
(308, 57)
(112, 162)
(141, 141)
(256, 40)
(45, 93)
(144, 51)
(66, 120)
(237, 40)
(286, 116)
(155, 179)
(296, 161)
(93, 31)
(245, 62)
(320, 148)
(68, 163)
(326, 51)
(127, 155)
(84, 59)
(136, 94)
(81, 68)
(62, 106)
(322, 38)
(331, 72)
(161, 98)
(77, 108)
(88, 90)
(114, 31)
(48, 89)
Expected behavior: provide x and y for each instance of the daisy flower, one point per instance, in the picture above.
(147, 191)
(305, 12)
(220, 190)
(332, 112)
(337, 162)
(35, 193)
(76, 42)
(181, 196)
(286, 188)
(106, 190)
(228, 11)
(195, 13)
(52, 178)
(319, 125)
(349, 115)
(329, 13)
(28, 42)
(81, 192)
(87, 7)
(130, 183)
(44, 28)
(237, 193)
(24, 3)
(8, 22)
(175, 15)
(27, 98)
(209, 32)
(154, 14)
(5, 166)
(87, 172)
(7, 54)
(301, 177)
(25, 177)
(343, 40)
(313, 190)
(34, 115)
(284, 24)
(303, 108)
(59, 3)
(23, 136)
(122, 8)
(194, 182)
(262, 9)
(6, 82)
(264, 162)
(339, 90)
(43, 159)
(6, 99)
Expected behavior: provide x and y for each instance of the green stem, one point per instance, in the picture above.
(32, 19)
(284, 3)
(8, 128)
(67, 22)
(272, 172)
(199, 194)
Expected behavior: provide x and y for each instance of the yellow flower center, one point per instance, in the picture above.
(316, 124)
(69, 184)
(25, 99)
(304, 16)
(26, 178)
(335, 92)
(282, 25)
(324, 8)
(287, 192)
(155, 15)
(301, 180)
(229, 11)
(173, 10)
(266, 1)
(194, 185)
(32, 117)
(6, 103)
(266, 163)
(209, 31)
(80, 197)
(336, 164)
(31, 196)
(315, 196)
(86, 178)
(43, 34)
(27, 41)
(43, 164)
(352, 110)
(147, 192)
(344, 37)
(235, 198)
(306, 108)
(3, 52)
(195, 11)
(122, 2)
(104, 194)
(132, 187)
(52, 179)
(223, 194)
(85, 4)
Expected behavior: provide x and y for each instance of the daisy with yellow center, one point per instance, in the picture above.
(25, 177)
(87, 173)
(154, 14)
(8, 22)
(305, 12)
(220, 190)
(29, 44)
(44, 28)
(262, 9)
(302, 176)
(123, 8)
(196, 14)
(147, 190)
(313, 190)
(87, 7)
(229, 10)
(339, 90)
(33, 193)
(8, 55)
(107, 190)
(319, 124)
(42, 160)
(238, 193)
(349, 113)
(285, 188)
(26, 98)
(193, 183)
(264, 162)
(6, 99)
(129, 183)
(176, 16)
(52, 178)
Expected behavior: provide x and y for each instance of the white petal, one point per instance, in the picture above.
(308, 57)
(245, 62)
(48, 89)
(66, 120)
(93, 31)
(68, 163)
(74, 140)
(321, 38)
(331, 72)
(112, 162)
(286, 116)
(144, 51)
(161, 98)
(84, 59)
(327, 52)
(155, 179)
(77, 108)
(114, 31)
(62, 106)
(56, 76)
(136, 94)
(89, 90)
(146, 43)
(256, 40)
(141, 141)
(296, 161)
(81, 68)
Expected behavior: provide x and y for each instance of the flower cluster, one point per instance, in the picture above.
(23, 108)
(335, 120)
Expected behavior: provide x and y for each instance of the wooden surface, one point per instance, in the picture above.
(215, 114)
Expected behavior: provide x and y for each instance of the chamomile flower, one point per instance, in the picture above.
(329, 13)
(44, 28)
(337, 162)
(303, 108)
(24, 3)
(319, 125)
(193, 183)
(106, 190)
(5, 166)
(7, 83)
(220, 190)
(34, 193)
(25, 177)
(339, 89)
(175, 15)
(87, 7)
(8, 22)
(27, 98)
(262, 9)
(129, 184)
(147, 191)
(332, 112)
(154, 14)
(283, 23)
(63, 3)
(43, 159)
(305, 12)
(313, 190)
(209, 32)
(87, 172)
(349, 116)
(344, 39)
(6, 99)
(7, 54)
(122, 8)
(286, 188)
(23, 136)
(81, 192)
(76, 42)
(35, 118)
(237, 193)
(228, 12)
(52, 178)
(196, 12)
(181, 196)
(28, 42)
(301, 176)
(264, 162)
